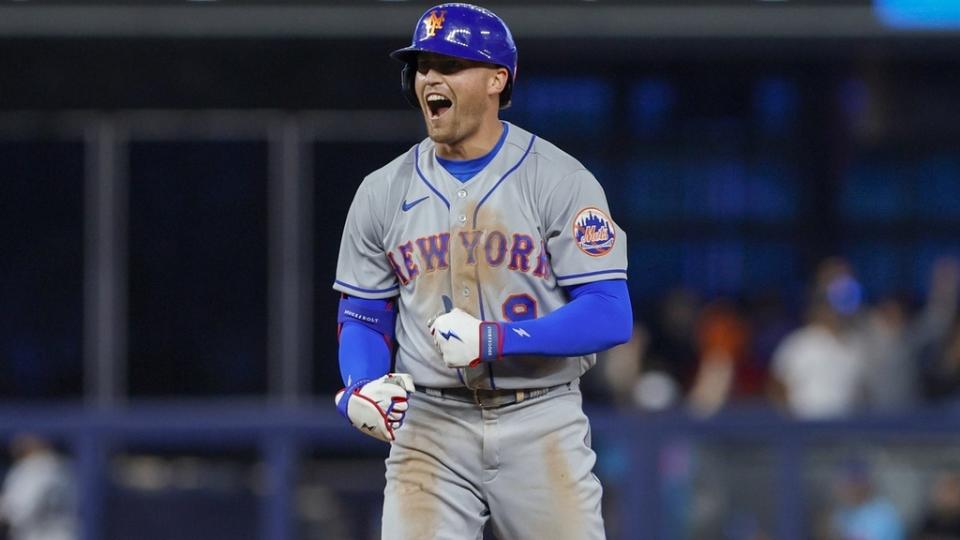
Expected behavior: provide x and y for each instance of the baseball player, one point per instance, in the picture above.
(488, 259)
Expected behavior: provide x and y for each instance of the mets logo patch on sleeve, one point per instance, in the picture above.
(594, 232)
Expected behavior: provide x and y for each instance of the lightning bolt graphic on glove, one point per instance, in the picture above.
(448, 334)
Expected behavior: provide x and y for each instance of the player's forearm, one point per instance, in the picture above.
(598, 317)
(363, 353)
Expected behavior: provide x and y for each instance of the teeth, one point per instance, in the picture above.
(435, 97)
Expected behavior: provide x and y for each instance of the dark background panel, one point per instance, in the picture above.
(198, 268)
(52, 74)
(41, 269)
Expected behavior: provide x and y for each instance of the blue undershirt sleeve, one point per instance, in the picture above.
(364, 353)
(599, 316)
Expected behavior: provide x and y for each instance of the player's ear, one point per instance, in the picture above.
(498, 80)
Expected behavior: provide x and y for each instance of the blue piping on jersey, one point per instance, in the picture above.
(598, 272)
(349, 286)
(502, 178)
(493, 385)
(416, 165)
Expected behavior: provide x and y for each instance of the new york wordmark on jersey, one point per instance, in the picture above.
(494, 248)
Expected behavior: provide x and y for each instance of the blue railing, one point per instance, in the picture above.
(280, 433)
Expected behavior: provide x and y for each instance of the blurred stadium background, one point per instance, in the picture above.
(174, 177)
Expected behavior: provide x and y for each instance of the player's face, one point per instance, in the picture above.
(457, 95)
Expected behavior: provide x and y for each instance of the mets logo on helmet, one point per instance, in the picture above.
(434, 22)
(594, 232)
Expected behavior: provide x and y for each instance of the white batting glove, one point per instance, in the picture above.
(464, 340)
(376, 407)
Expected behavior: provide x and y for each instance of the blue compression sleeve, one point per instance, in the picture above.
(598, 316)
(364, 353)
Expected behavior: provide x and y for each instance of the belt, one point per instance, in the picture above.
(489, 399)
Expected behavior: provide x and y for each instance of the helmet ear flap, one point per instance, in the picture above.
(408, 86)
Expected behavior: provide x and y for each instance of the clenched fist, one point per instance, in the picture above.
(464, 340)
(376, 407)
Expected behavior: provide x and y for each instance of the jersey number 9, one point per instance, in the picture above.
(519, 307)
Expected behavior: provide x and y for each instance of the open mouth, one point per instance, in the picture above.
(438, 105)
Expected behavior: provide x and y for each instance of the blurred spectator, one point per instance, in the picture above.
(942, 520)
(667, 370)
(620, 367)
(818, 370)
(672, 356)
(862, 513)
(38, 501)
(655, 368)
(942, 377)
(770, 322)
(890, 382)
(895, 345)
(722, 339)
(626, 377)
(938, 333)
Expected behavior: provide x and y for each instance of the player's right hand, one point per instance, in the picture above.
(376, 407)
(464, 340)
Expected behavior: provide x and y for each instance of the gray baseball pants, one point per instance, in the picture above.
(524, 467)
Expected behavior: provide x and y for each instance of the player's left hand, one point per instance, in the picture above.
(464, 340)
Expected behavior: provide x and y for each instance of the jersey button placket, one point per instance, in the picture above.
(462, 219)
(459, 222)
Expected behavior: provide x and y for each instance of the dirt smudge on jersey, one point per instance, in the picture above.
(490, 238)
(492, 278)
(463, 276)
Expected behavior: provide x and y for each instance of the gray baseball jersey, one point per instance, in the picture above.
(501, 246)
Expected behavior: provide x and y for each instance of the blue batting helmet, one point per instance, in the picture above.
(464, 31)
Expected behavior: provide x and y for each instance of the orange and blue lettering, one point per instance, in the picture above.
(519, 307)
(470, 239)
(543, 262)
(520, 252)
(496, 248)
(434, 248)
(406, 251)
(396, 269)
